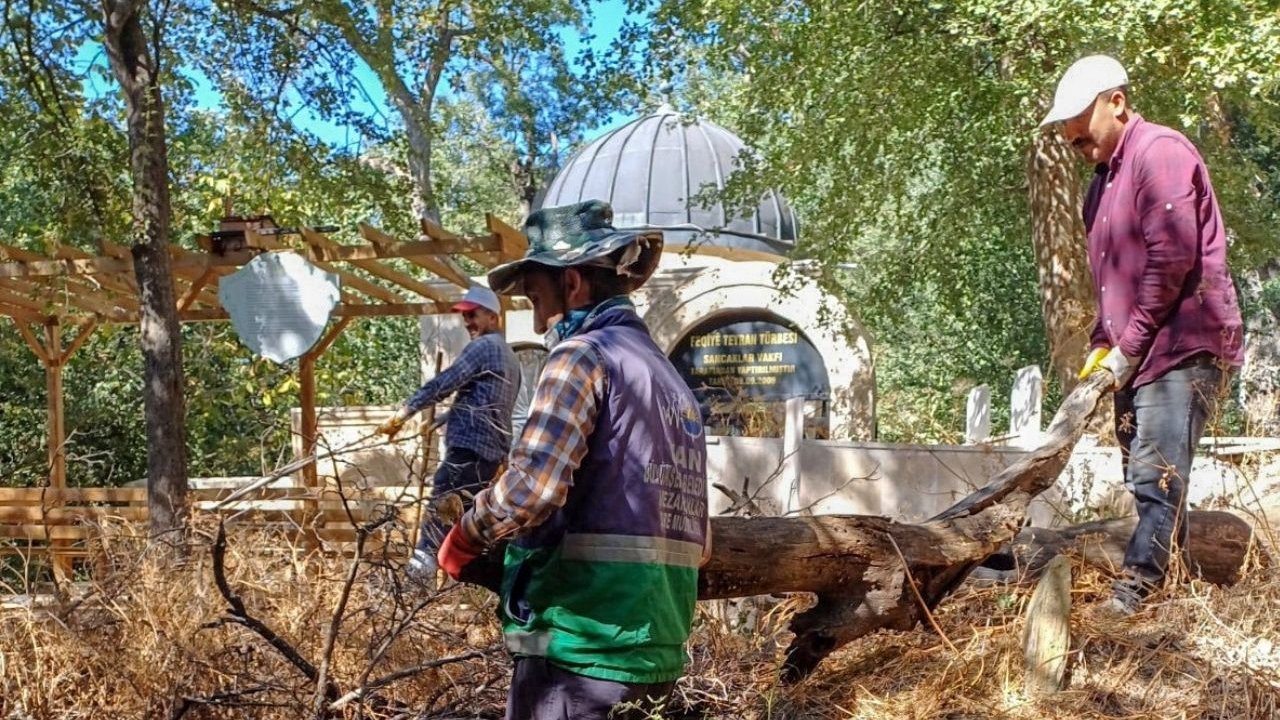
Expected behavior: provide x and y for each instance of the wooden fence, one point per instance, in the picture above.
(62, 526)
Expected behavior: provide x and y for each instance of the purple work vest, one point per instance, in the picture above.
(644, 473)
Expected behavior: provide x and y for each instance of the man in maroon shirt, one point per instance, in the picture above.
(1168, 326)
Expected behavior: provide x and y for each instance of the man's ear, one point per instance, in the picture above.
(574, 286)
(1119, 102)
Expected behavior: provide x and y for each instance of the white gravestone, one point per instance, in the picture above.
(977, 416)
(1024, 405)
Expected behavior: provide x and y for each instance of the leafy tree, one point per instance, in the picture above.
(906, 135)
(133, 39)
(416, 51)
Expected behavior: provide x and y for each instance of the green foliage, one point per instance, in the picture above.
(901, 131)
(238, 406)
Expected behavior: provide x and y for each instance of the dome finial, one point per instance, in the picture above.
(667, 90)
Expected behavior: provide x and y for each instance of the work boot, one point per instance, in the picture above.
(1127, 594)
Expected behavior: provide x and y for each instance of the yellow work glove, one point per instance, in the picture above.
(1093, 362)
(393, 425)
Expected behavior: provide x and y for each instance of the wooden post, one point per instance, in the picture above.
(307, 397)
(307, 393)
(57, 451)
(1046, 638)
(57, 427)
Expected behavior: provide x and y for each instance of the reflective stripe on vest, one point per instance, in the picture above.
(528, 643)
(592, 547)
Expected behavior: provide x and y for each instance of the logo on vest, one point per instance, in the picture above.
(691, 420)
(681, 415)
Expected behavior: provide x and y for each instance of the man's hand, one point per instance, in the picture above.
(1091, 363)
(456, 552)
(393, 426)
(1121, 366)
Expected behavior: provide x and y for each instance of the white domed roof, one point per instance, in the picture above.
(651, 171)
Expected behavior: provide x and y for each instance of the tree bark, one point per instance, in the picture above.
(1260, 376)
(1219, 543)
(1057, 234)
(135, 65)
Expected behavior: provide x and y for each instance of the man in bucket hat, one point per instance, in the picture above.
(1168, 326)
(604, 501)
(486, 379)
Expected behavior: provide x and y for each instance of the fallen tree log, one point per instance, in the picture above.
(1219, 542)
(870, 573)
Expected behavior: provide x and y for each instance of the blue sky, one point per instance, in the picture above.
(607, 19)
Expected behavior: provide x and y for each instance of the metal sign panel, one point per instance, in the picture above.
(752, 358)
(279, 304)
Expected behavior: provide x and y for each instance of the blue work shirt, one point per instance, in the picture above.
(486, 378)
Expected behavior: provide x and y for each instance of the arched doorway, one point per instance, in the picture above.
(743, 365)
(532, 358)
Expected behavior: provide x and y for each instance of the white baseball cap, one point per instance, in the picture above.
(1081, 83)
(479, 296)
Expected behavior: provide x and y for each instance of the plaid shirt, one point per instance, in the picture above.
(486, 377)
(552, 446)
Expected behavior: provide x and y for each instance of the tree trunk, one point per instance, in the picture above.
(870, 573)
(1260, 376)
(1216, 552)
(1057, 234)
(135, 67)
(419, 137)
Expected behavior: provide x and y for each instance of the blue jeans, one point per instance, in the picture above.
(1158, 426)
(461, 471)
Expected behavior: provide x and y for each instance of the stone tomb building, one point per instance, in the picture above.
(744, 345)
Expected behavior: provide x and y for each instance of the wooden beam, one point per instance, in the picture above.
(22, 299)
(92, 302)
(23, 314)
(32, 342)
(190, 269)
(77, 294)
(122, 283)
(307, 397)
(193, 291)
(322, 244)
(318, 349)
(115, 262)
(445, 268)
(443, 243)
(512, 244)
(86, 329)
(342, 310)
(435, 232)
(442, 266)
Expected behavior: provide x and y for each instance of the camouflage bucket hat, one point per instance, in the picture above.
(580, 234)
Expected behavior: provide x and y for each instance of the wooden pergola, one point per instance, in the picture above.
(45, 295)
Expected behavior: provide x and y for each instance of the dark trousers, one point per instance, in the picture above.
(463, 472)
(542, 691)
(1158, 427)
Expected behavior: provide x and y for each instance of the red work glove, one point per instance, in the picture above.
(456, 552)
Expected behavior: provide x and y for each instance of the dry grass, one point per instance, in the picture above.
(1195, 651)
(153, 639)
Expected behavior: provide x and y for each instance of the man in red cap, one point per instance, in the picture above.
(486, 379)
